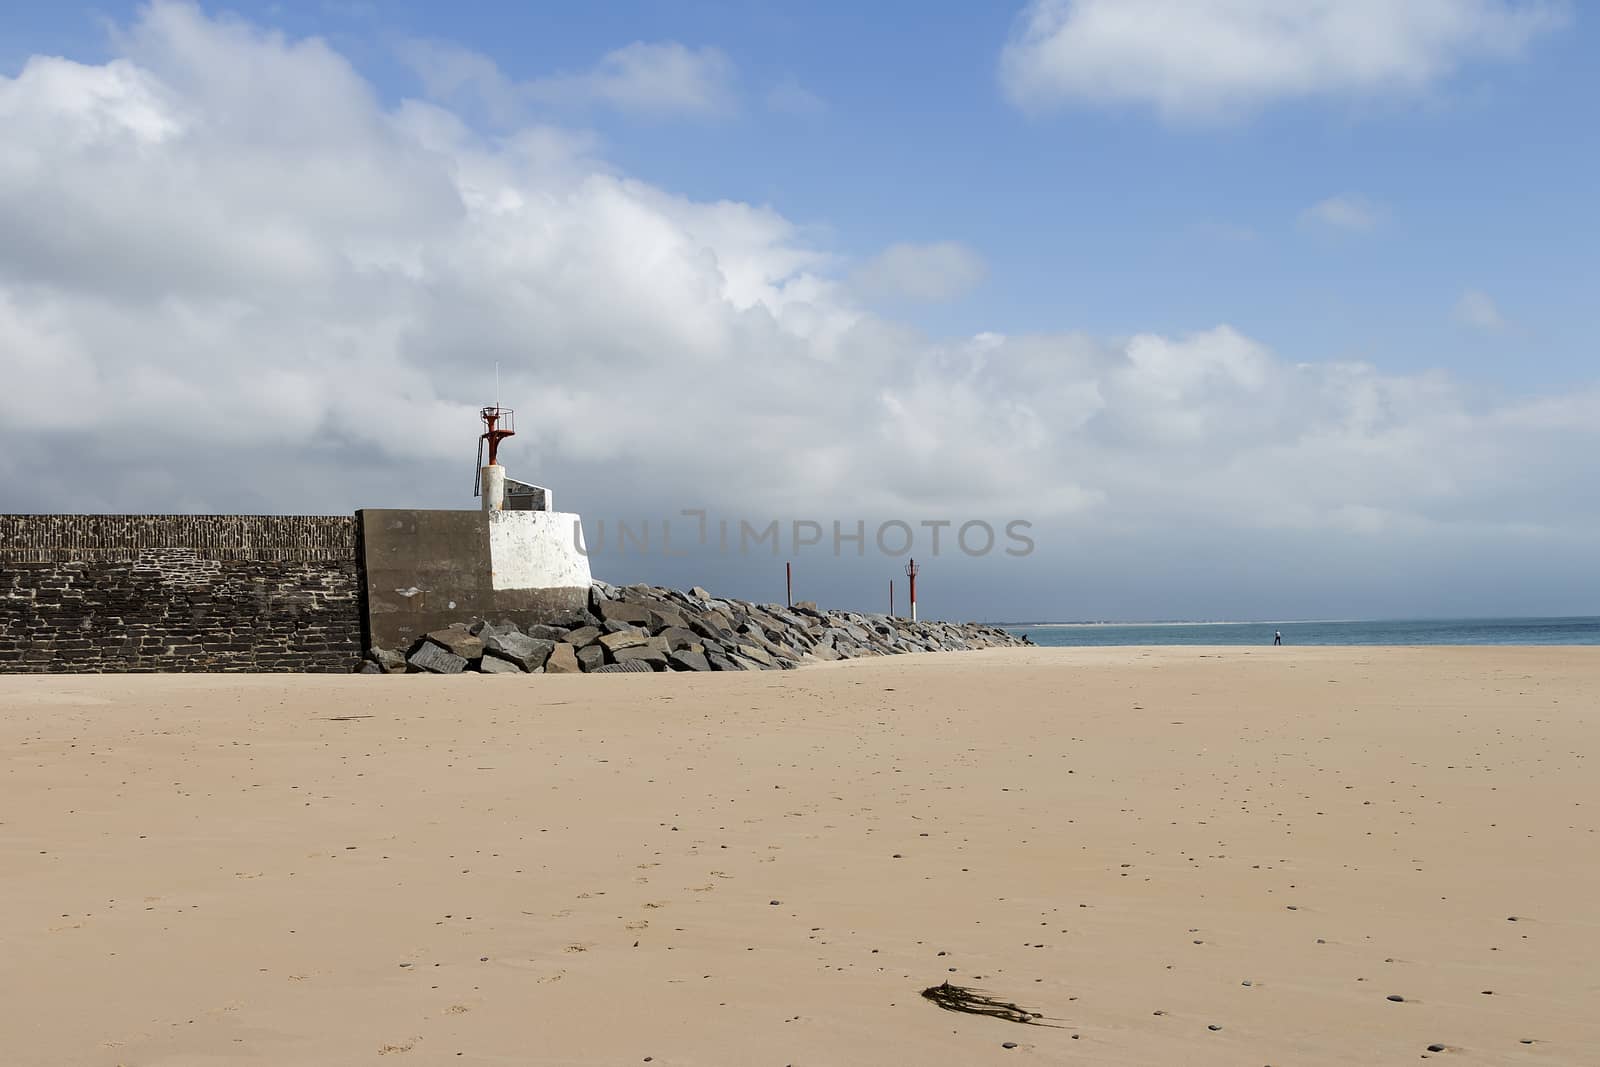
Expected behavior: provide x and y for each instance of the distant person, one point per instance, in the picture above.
(1277, 637)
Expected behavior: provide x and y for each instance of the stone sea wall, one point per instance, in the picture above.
(103, 593)
(94, 593)
(647, 628)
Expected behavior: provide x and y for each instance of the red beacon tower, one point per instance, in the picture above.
(499, 423)
(489, 479)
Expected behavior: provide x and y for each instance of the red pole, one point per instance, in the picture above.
(788, 580)
(911, 574)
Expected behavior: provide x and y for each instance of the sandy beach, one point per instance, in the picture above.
(1199, 856)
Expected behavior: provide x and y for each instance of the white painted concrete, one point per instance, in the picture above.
(536, 550)
(492, 487)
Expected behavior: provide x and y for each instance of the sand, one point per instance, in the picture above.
(1229, 856)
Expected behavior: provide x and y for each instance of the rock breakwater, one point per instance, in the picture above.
(649, 628)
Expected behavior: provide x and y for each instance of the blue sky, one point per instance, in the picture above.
(1419, 204)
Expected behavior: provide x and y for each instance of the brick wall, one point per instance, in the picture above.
(179, 593)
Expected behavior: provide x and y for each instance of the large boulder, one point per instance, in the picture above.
(688, 661)
(528, 653)
(492, 664)
(613, 643)
(760, 655)
(390, 661)
(679, 637)
(583, 635)
(664, 618)
(656, 658)
(591, 656)
(435, 659)
(484, 629)
(625, 667)
(547, 633)
(623, 611)
(458, 641)
(563, 659)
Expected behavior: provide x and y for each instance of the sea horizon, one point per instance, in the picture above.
(1467, 630)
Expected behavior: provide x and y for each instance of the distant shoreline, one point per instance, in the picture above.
(1302, 622)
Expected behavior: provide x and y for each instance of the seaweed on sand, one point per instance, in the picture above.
(978, 1002)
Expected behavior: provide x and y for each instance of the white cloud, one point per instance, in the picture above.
(271, 274)
(1478, 310)
(789, 97)
(1210, 59)
(928, 273)
(656, 79)
(1345, 212)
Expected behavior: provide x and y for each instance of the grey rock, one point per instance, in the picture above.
(391, 661)
(458, 642)
(678, 637)
(526, 652)
(625, 667)
(547, 633)
(760, 655)
(563, 659)
(688, 661)
(623, 611)
(664, 618)
(656, 658)
(583, 635)
(368, 667)
(591, 656)
(720, 662)
(492, 664)
(435, 659)
(623, 639)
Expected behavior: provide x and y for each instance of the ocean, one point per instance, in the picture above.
(1579, 630)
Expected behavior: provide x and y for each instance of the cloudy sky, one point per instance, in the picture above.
(1252, 308)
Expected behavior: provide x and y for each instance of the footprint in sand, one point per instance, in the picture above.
(406, 1046)
(457, 1009)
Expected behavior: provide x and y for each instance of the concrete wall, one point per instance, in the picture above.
(536, 550)
(89, 593)
(427, 569)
